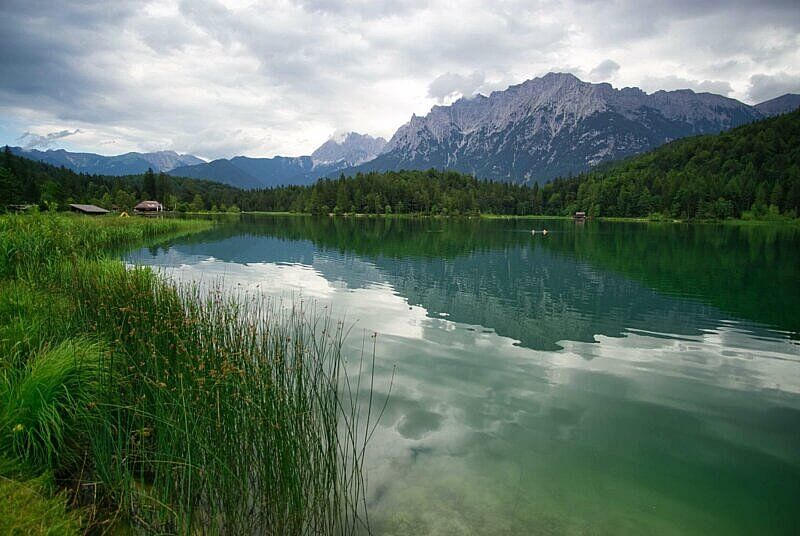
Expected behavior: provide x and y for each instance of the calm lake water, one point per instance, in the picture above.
(607, 378)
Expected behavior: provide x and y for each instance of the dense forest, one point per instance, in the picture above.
(752, 171)
(400, 192)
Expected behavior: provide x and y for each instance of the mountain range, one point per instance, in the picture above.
(554, 125)
(123, 164)
(341, 152)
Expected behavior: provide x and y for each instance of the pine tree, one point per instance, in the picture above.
(9, 189)
(149, 184)
(163, 187)
(198, 205)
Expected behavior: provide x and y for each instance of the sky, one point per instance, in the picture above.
(218, 78)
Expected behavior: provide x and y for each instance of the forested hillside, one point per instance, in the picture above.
(753, 170)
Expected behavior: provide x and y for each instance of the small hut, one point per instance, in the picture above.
(580, 215)
(92, 210)
(148, 207)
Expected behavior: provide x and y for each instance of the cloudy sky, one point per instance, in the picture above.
(223, 77)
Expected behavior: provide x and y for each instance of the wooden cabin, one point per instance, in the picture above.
(148, 207)
(92, 210)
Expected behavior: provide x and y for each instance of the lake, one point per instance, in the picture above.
(605, 378)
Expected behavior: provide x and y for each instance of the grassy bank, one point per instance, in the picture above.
(158, 408)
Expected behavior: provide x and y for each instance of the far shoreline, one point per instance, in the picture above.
(618, 219)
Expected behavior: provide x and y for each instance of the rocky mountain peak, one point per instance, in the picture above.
(350, 147)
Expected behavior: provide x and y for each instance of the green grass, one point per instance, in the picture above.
(32, 508)
(172, 409)
(44, 403)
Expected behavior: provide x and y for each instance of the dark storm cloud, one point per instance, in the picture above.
(222, 77)
(46, 54)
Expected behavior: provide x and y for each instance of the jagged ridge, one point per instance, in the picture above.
(553, 126)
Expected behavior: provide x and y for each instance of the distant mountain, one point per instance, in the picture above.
(167, 160)
(779, 105)
(351, 148)
(124, 164)
(556, 125)
(219, 171)
(245, 172)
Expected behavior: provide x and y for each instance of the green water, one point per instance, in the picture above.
(606, 378)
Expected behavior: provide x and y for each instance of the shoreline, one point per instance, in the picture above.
(619, 219)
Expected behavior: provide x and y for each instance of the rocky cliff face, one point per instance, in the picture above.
(552, 126)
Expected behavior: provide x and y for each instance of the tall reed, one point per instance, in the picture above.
(215, 413)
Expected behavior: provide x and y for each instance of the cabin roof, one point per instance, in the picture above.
(88, 209)
(148, 205)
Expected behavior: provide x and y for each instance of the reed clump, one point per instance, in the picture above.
(166, 408)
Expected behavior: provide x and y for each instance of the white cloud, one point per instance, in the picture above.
(765, 87)
(449, 85)
(604, 70)
(31, 140)
(672, 82)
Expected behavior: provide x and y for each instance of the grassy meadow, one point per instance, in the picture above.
(130, 404)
